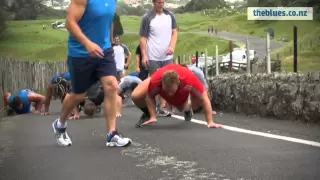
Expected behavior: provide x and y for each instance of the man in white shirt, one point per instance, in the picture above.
(121, 52)
(158, 37)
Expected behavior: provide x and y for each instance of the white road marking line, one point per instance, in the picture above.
(230, 128)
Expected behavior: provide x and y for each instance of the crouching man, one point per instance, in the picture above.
(179, 87)
(93, 101)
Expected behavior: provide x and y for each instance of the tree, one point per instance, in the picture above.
(25, 9)
(3, 8)
(117, 26)
(252, 3)
(61, 3)
(198, 5)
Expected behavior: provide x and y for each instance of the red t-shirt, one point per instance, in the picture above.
(189, 84)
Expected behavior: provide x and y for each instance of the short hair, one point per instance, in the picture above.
(170, 77)
(89, 107)
(16, 102)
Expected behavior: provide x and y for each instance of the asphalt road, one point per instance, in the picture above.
(170, 149)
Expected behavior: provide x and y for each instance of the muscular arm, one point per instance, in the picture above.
(75, 13)
(144, 33)
(111, 33)
(6, 98)
(151, 103)
(128, 54)
(174, 38)
(48, 97)
(207, 107)
(152, 92)
(143, 46)
(137, 61)
(129, 58)
(37, 99)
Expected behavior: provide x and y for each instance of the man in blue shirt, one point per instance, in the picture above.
(22, 102)
(91, 58)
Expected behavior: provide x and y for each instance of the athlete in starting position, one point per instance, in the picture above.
(127, 85)
(21, 103)
(93, 101)
(95, 96)
(58, 87)
(200, 75)
(179, 87)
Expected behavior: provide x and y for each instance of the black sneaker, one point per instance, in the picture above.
(143, 119)
(188, 115)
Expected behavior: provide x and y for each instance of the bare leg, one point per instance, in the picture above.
(119, 106)
(138, 97)
(110, 87)
(69, 103)
(139, 94)
(6, 97)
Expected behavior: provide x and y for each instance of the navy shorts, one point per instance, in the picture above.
(85, 71)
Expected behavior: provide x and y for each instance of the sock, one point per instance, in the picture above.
(145, 111)
(60, 125)
(109, 135)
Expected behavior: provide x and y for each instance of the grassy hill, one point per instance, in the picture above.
(25, 40)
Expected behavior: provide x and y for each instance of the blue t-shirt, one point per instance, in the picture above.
(95, 25)
(23, 94)
(136, 74)
(65, 76)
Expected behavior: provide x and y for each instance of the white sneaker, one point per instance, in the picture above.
(116, 140)
(61, 135)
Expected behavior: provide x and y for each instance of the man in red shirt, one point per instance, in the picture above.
(179, 87)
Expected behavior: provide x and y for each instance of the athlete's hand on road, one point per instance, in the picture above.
(214, 125)
(94, 50)
(145, 61)
(45, 113)
(149, 122)
(170, 51)
(74, 117)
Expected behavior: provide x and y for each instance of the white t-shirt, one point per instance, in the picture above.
(120, 53)
(158, 29)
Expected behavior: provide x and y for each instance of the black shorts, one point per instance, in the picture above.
(85, 71)
(99, 99)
